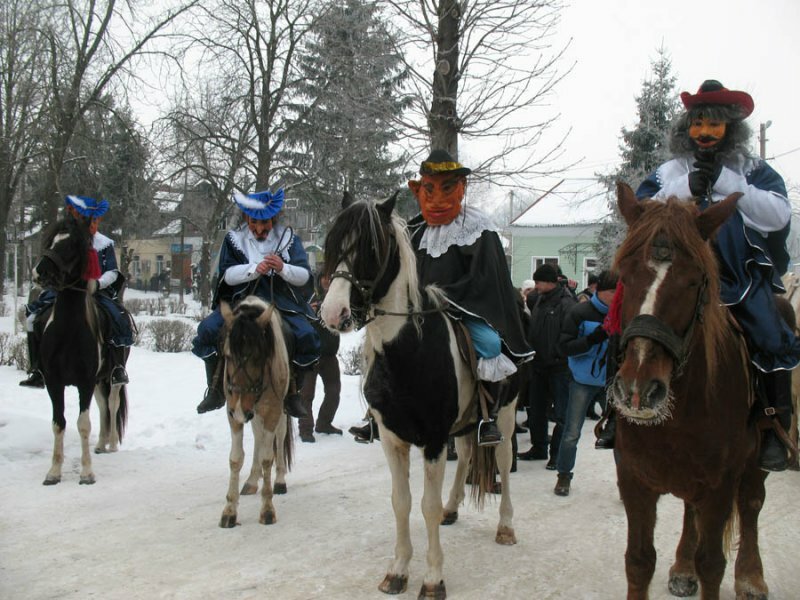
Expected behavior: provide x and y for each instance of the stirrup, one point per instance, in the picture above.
(488, 433)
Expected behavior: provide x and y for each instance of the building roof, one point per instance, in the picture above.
(167, 201)
(552, 210)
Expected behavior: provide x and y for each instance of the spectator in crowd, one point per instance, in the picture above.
(589, 290)
(585, 343)
(549, 374)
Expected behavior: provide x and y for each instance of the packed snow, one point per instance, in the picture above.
(149, 527)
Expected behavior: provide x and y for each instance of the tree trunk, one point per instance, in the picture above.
(443, 120)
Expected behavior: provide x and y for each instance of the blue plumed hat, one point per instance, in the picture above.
(88, 207)
(260, 205)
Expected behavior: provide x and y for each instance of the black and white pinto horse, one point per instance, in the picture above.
(256, 379)
(418, 387)
(72, 350)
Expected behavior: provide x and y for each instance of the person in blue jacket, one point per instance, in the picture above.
(710, 145)
(585, 344)
(109, 285)
(265, 258)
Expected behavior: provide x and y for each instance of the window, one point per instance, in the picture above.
(589, 266)
(136, 266)
(159, 264)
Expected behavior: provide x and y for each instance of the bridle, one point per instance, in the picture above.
(653, 328)
(367, 312)
(254, 385)
(63, 268)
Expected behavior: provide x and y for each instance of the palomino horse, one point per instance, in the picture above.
(418, 387)
(256, 379)
(72, 347)
(684, 395)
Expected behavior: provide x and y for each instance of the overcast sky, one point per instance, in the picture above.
(747, 46)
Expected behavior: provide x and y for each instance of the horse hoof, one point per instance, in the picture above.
(505, 536)
(683, 585)
(88, 480)
(227, 521)
(100, 450)
(279, 488)
(748, 589)
(51, 480)
(394, 584)
(267, 518)
(450, 517)
(248, 489)
(435, 591)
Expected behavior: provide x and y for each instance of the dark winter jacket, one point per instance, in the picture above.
(586, 358)
(547, 316)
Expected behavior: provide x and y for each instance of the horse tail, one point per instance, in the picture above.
(484, 467)
(288, 444)
(731, 528)
(122, 412)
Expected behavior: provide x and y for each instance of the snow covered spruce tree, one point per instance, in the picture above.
(352, 78)
(642, 149)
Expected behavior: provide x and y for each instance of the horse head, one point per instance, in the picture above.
(361, 260)
(65, 248)
(256, 360)
(669, 305)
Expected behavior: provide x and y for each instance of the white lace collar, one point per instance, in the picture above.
(467, 227)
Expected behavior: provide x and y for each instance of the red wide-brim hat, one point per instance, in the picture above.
(712, 92)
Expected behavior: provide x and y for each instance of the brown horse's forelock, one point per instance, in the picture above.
(247, 340)
(78, 241)
(676, 220)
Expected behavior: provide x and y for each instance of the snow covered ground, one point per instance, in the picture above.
(149, 527)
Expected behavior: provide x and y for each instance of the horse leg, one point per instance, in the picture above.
(712, 516)
(503, 455)
(235, 460)
(281, 459)
(266, 439)
(682, 573)
(59, 425)
(113, 409)
(85, 394)
(640, 554)
(433, 583)
(396, 452)
(457, 494)
(105, 416)
(749, 573)
(250, 486)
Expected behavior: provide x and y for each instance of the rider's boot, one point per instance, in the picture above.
(774, 452)
(35, 378)
(488, 431)
(119, 376)
(214, 397)
(293, 404)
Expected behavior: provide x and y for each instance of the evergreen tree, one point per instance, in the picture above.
(643, 148)
(353, 76)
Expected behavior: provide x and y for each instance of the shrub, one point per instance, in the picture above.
(19, 354)
(170, 335)
(350, 361)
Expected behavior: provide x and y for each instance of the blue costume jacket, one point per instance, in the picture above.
(750, 247)
(288, 291)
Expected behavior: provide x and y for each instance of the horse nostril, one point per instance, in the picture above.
(656, 393)
(248, 416)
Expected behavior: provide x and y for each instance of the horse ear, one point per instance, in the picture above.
(715, 215)
(226, 312)
(347, 199)
(629, 206)
(387, 206)
(264, 318)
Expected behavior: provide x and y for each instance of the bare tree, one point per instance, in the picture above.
(22, 96)
(90, 43)
(494, 69)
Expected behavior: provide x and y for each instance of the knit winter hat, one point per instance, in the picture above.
(606, 280)
(547, 273)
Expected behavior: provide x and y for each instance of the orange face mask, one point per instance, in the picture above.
(439, 197)
(707, 133)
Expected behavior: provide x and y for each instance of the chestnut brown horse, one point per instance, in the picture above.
(684, 395)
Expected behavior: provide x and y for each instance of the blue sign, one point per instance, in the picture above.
(176, 248)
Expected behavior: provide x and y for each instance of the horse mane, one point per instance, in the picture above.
(363, 228)
(247, 339)
(675, 219)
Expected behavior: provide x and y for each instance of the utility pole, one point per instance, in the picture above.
(762, 139)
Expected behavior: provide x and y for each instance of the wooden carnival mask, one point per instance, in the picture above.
(439, 196)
